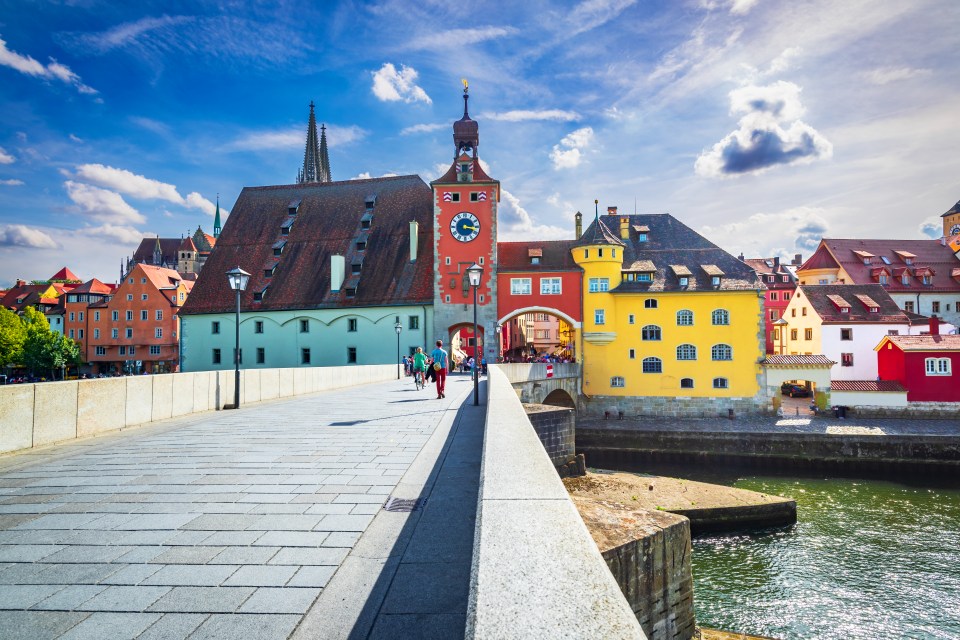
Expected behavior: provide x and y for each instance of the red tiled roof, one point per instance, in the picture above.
(327, 223)
(927, 254)
(950, 342)
(880, 386)
(554, 256)
(93, 286)
(822, 298)
(64, 274)
(798, 360)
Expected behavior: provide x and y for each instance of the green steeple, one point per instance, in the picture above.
(216, 220)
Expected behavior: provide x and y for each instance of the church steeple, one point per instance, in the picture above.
(466, 131)
(216, 219)
(316, 162)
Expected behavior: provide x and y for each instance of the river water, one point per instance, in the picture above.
(867, 559)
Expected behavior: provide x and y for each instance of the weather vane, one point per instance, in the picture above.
(465, 86)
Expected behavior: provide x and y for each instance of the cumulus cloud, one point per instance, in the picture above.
(6, 158)
(799, 230)
(569, 152)
(142, 187)
(770, 134)
(52, 71)
(932, 227)
(424, 128)
(18, 235)
(391, 85)
(447, 38)
(886, 75)
(11, 182)
(102, 204)
(523, 115)
(514, 222)
(120, 233)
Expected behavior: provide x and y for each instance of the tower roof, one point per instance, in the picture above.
(953, 210)
(466, 131)
(216, 220)
(598, 233)
(316, 162)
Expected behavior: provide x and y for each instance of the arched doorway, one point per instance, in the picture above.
(463, 344)
(535, 334)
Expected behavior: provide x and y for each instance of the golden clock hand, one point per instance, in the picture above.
(469, 227)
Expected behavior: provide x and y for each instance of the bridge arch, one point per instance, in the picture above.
(537, 330)
(560, 398)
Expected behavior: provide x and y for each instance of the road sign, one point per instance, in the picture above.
(549, 370)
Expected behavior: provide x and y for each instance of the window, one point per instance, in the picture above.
(586, 253)
(645, 277)
(354, 268)
(598, 316)
(80, 333)
(721, 352)
(808, 334)
(159, 314)
(641, 237)
(686, 383)
(143, 281)
(893, 332)
(793, 334)
(846, 334)
(447, 260)
(72, 317)
(413, 323)
(258, 326)
(131, 350)
(155, 350)
(143, 314)
(129, 297)
(775, 334)
(361, 246)
(520, 286)
(454, 197)
(351, 324)
(129, 315)
(845, 310)
(793, 313)
(633, 354)
(351, 292)
(129, 332)
(143, 296)
(71, 333)
(937, 366)
(686, 352)
(550, 286)
(846, 359)
(261, 355)
(774, 314)
(774, 296)
(617, 381)
(96, 316)
(720, 383)
(304, 326)
(123, 350)
(101, 351)
(158, 333)
(214, 326)
(715, 281)
(652, 365)
(96, 334)
(908, 306)
(114, 333)
(720, 316)
(631, 319)
(650, 332)
(786, 295)
(115, 316)
(885, 279)
(926, 280)
(305, 356)
(934, 307)
(684, 318)
(684, 281)
(599, 285)
(905, 279)
(352, 355)
(216, 356)
(650, 303)
(130, 281)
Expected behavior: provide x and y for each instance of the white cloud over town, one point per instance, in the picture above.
(53, 70)
(19, 235)
(391, 85)
(102, 204)
(6, 158)
(141, 187)
(569, 152)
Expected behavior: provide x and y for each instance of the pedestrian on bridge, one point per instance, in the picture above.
(440, 363)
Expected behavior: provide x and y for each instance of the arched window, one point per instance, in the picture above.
(721, 316)
(686, 352)
(684, 318)
(721, 352)
(720, 383)
(652, 365)
(650, 332)
(686, 383)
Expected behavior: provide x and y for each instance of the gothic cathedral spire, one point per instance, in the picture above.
(316, 161)
(216, 220)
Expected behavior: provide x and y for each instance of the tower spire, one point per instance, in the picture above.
(316, 163)
(216, 219)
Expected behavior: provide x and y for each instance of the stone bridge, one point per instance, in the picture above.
(535, 387)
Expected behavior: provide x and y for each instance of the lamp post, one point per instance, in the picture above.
(398, 328)
(474, 273)
(238, 279)
(499, 343)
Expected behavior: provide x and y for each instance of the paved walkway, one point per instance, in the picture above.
(234, 524)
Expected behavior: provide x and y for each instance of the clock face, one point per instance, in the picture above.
(955, 230)
(464, 227)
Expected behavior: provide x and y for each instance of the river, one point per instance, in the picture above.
(867, 559)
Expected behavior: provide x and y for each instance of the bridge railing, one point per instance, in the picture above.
(536, 572)
(523, 371)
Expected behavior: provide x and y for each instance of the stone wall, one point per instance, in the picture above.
(915, 410)
(556, 428)
(674, 407)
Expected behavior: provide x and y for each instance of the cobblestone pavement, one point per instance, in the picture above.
(224, 525)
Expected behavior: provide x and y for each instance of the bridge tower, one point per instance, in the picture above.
(465, 202)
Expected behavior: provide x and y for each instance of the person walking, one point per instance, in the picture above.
(440, 362)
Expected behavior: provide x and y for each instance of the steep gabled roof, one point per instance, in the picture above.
(327, 223)
(949, 342)
(889, 255)
(827, 300)
(168, 247)
(954, 209)
(554, 256)
(65, 274)
(93, 286)
(599, 233)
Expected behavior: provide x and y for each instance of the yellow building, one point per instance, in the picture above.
(672, 324)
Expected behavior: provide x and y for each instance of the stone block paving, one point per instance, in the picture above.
(224, 525)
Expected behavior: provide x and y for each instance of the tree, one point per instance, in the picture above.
(43, 349)
(12, 335)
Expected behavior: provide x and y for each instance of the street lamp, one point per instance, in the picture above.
(499, 343)
(238, 279)
(474, 273)
(398, 328)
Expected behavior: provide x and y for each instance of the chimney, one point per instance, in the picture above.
(414, 232)
(934, 326)
(741, 257)
(611, 211)
(337, 272)
(776, 264)
(797, 259)
(624, 225)
(20, 283)
(579, 222)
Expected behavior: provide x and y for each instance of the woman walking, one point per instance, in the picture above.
(440, 362)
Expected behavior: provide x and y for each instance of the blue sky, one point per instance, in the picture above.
(764, 124)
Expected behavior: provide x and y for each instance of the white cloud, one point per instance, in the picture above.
(886, 75)
(424, 128)
(119, 233)
(784, 61)
(447, 38)
(569, 152)
(514, 223)
(391, 85)
(101, 204)
(6, 158)
(11, 182)
(736, 7)
(150, 124)
(75, 138)
(128, 32)
(523, 115)
(932, 227)
(52, 71)
(196, 201)
(590, 14)
(362, 176)
(129, 183)
(770, 134)
(799, 230)
(18, 235)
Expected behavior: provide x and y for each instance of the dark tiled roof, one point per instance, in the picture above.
(949, 342)
(599, 232)
(328, 223)
(670, 245)
(798, 361)
(952, 210)
(867, 385)
(555, 256)
(822, 298)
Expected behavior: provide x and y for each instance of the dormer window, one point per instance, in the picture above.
(355, 268)
(361, 245)
(258, 295)
(884, 279)
(293, 207)
(771, 278)
(715, 281)
(285, 230)
(844, 309)
(369, 202)
(927, 279)
(364, 224)
(644, 277)
(684, 281)
(908, 261)
(641, 237)
(351, 292)
(278, 248)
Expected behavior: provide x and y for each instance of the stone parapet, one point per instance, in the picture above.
(556, 428)
(915, 410)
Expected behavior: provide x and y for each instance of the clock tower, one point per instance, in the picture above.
(465, 202)
(951, 221)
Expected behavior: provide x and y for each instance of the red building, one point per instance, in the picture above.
(781, 285)
(928, 365)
